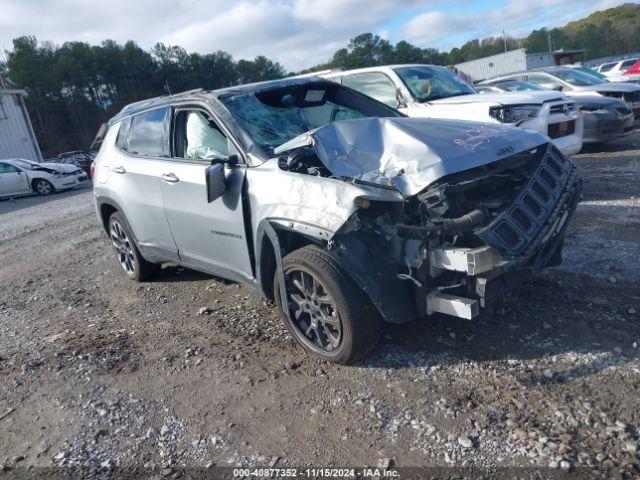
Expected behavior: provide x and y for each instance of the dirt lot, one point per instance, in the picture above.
(106, 374)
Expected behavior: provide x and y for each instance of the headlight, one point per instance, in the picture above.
(514, 114)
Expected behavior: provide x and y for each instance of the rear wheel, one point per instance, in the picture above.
(43, 187)
(330, 316)
(133, 264)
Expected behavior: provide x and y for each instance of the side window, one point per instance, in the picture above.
(197, 136)
(147, 135)
(626, 65)
(123, 134)
(607, 67)
(6, 168)
(376, 85)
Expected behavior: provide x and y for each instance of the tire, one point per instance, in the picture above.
(43, 187)
(360, 324)
(127, 253)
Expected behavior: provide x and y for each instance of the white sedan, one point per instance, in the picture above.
(20, 177)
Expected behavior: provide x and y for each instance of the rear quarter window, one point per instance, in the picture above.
(123, 134)
(147, 135)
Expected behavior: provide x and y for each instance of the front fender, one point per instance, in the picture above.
(368, 263)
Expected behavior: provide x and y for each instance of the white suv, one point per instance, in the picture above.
(436, 92)
(339, 208)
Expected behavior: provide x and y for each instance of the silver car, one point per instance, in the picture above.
(336, 206)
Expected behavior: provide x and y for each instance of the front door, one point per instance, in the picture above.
(209, 236)
(12, 180)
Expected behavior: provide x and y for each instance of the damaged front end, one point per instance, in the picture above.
(481, 211)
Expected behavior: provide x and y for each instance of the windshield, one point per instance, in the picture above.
(519, 86)
(431, 83)
(576, 77)
(593, 73)
(275, 116)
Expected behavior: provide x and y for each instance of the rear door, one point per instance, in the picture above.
(12, 180)
(134, 177)
(209, 236)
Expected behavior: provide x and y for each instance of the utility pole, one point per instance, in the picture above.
(4, 59)
(549, 40)
(504, 38)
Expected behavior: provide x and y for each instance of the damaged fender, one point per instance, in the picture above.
(369, 264)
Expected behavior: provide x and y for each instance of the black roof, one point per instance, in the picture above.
(200, 94)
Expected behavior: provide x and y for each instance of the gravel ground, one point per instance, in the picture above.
(101, 373)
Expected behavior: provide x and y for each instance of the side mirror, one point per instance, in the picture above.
(400, 101)
(215, 179)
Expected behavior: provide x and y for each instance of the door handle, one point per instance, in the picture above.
(169, 177)
(119, 169)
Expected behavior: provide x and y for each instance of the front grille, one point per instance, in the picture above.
(632, 97)
(515, 229)
(555, 130)
(560, 108)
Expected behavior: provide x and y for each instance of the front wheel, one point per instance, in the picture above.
(133, 264)
(329, 315)
(43, 187)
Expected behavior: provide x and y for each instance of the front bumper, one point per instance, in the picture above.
(604, 127)
(67, 182)
(523, 240)
(569, 144)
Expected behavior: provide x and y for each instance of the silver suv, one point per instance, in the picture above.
(336, 206)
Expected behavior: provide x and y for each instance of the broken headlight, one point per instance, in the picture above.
(514, 114)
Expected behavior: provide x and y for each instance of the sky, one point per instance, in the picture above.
(296, 33)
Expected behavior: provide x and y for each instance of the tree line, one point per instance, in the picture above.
(75, 87)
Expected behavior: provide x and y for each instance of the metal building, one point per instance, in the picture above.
(17, 139)
(515, 61)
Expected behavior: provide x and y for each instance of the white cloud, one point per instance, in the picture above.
(297, 33)
(431, 27)
(517, 18)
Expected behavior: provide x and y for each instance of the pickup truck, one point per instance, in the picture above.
(429, 91)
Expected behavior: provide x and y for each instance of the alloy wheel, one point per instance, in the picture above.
(43, 187)
(313, 311)
(123, 247)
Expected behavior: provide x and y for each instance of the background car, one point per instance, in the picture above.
(79, 158)
(575, 83)
(604, 118)
(429, 91)
(20, 177)
(615, 71)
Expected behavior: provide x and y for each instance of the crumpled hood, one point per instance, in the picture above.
(410, 153)
(504, 98)
(60, 167)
